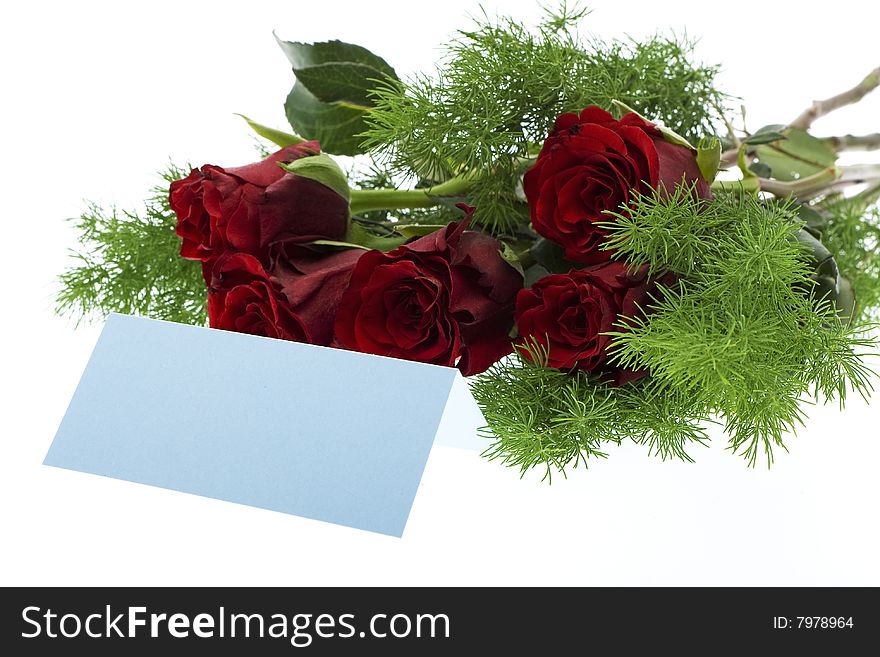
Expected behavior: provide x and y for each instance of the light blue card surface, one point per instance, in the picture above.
(316, 432)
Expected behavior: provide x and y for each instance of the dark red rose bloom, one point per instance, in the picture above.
(313, 284)
(591, 163)
(242, 298)
(569, 313)
(298, 303)
(445, 298)
(485, 292)
(254, 207)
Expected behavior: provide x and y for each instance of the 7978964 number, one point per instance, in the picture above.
(824, 622)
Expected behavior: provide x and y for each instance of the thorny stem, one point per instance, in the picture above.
(805, 188)
(809, 187)
(860, 173)
(839, 143)
(820, 108)
(827, 179)
(854, 142)
(365, 200)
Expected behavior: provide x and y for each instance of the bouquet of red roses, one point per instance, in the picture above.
(578, 226)
(270, 238)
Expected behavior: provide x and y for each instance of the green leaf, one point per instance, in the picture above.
(358, 238)
(451, 202)
(418, 230)
(818, 253)
(766, 135)
(340, 82)
(760, 169)
(669, 135)
(533, 274)
(323, 169)
(767, 138)
(846, 300)
(337, 244)
(551, 256)
(826, 276)
(364, 239)
(797, 156)
(746, 168)
(509, 256)
(277, 137)
(335, 125)
(709, 157)
(302, 55)
(332, 94)
(815, 222)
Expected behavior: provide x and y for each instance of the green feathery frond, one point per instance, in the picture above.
(741, 337)
(498, 91)
(129, 262)
(541, 417)
(852, 234)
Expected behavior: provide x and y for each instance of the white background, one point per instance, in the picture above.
(97, 97)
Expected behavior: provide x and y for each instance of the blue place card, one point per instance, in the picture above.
(322, 433)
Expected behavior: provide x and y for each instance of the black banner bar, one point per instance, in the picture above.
(436, 621)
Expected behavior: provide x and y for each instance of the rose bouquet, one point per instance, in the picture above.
(576, 225)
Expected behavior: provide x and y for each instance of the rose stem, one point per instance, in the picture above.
(365, 200)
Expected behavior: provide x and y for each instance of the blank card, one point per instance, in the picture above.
(322, 433)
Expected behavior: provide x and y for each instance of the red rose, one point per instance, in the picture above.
(298, 303)
(250, 208)
(485, 291)
(313, 284)
(591, 163)
(569, 313)
(446, 298)
(242, 298)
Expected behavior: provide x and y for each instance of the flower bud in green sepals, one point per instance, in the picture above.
(322, 169)
(709, 157)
